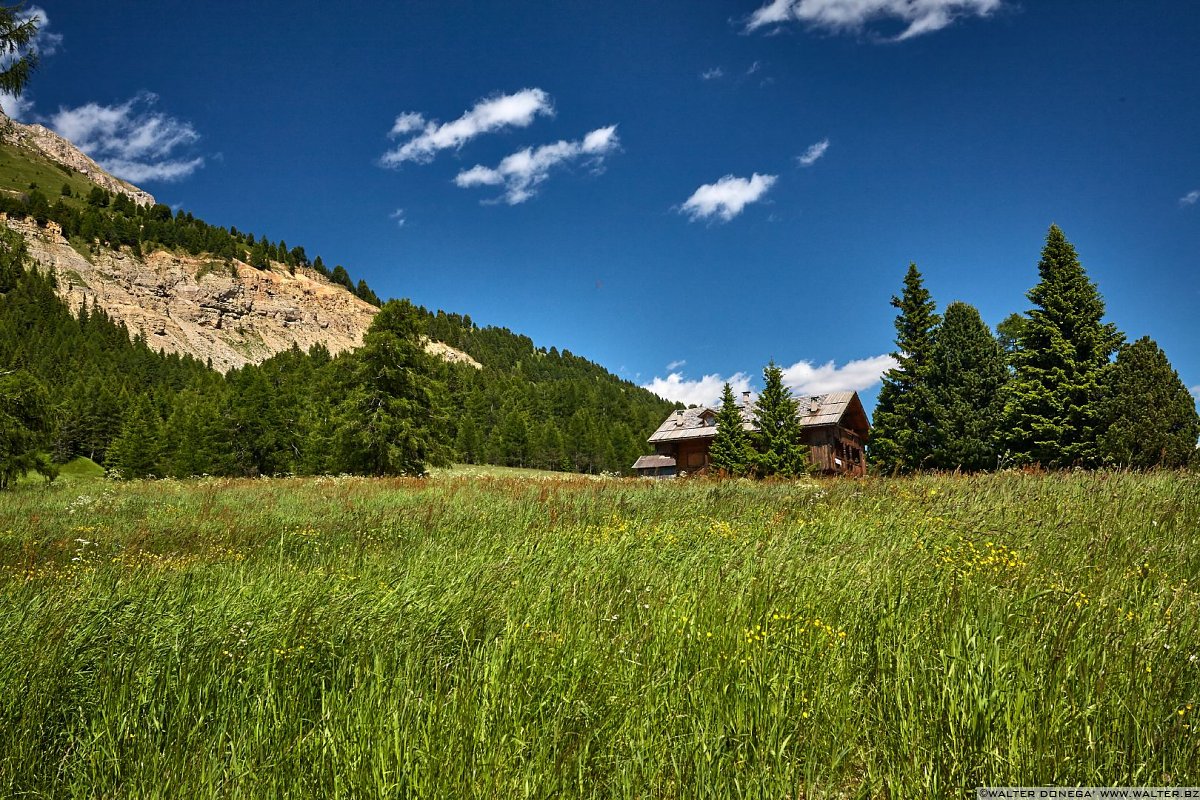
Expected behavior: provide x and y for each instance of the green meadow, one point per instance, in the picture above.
(505, 637)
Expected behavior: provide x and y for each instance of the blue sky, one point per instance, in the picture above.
(679, 190)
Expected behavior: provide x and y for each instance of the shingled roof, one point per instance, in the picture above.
(700, 422)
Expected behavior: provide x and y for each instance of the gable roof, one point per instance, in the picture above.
(814, 411)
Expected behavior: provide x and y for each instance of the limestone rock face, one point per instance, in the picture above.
(56, 148)
(232, 314)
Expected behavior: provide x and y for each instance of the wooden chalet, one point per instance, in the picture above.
(834, 426)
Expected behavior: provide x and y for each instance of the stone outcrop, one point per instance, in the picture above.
(232, 314)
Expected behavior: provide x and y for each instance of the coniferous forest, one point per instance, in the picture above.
(1056, 387)
(387, 408)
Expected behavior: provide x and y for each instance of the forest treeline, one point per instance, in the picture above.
(86, 388)
(112, 220)
(1057, 386)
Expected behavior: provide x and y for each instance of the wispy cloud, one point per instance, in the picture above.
(521, 172)
(1195, 390)
(1190, 198)
(45, 43)
(853, 16)
(755, 67)
(705, 391)
(712, 74)
(726, 198)
(674, 365)
(517, 110)
(813, 153)
(398, 216)
(131, 140)
(804, 379)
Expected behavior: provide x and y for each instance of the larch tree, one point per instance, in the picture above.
(779, 449)
(902, 430)
(1148, 415)
(1052, 413)
(731, 450)
(967, 375)
(25, 427)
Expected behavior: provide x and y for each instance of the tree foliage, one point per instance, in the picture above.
(731, 452)
(17, 57)
(25, 425)
(777, 441)
(967, 376)
(1148, 416)
(902, 433)
(1061, 355)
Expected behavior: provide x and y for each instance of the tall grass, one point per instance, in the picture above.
(518, 638)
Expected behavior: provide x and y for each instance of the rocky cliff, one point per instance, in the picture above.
(232, 314)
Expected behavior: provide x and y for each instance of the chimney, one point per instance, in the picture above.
(745, 398)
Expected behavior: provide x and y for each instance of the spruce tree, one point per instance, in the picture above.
(967, 375)
(779, 450)
(731, 451)
(1149, 417)
(135, 451)
(392, 420)
(1052, 413)
(902, 429)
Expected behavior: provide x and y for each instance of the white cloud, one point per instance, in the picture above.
(1195, 390)
(704, 391)
(1188, 199)
(852, 16)
(521, 172)
(15, 107)
(47, 42)
(131, 140)
(407, 122)
(398, 215)
(803, 378)
(727, 197)
(712, 74)
(813, 153)
(516, 110)
(674, 365)
(755, 67)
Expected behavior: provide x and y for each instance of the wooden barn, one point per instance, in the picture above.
(834, 426)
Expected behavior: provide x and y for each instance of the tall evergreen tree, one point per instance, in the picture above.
(25, 424)
(136, 450)
(392, 420)
(731, 451)
(967, 375)
(776, 414)
(1053, 412)
(1148, 416)
(902, 429)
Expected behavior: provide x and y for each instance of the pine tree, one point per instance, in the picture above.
(1149, 417)
(967, 376)
(779, 450)
(393, 418)
(731, 451)
(25, 424)
(135, 451)
(902, 430)
(1053, 412)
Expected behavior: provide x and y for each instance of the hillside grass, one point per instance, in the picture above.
(473, 636)
(19, 167)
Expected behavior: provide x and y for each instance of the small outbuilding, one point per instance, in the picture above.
(833, 426)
